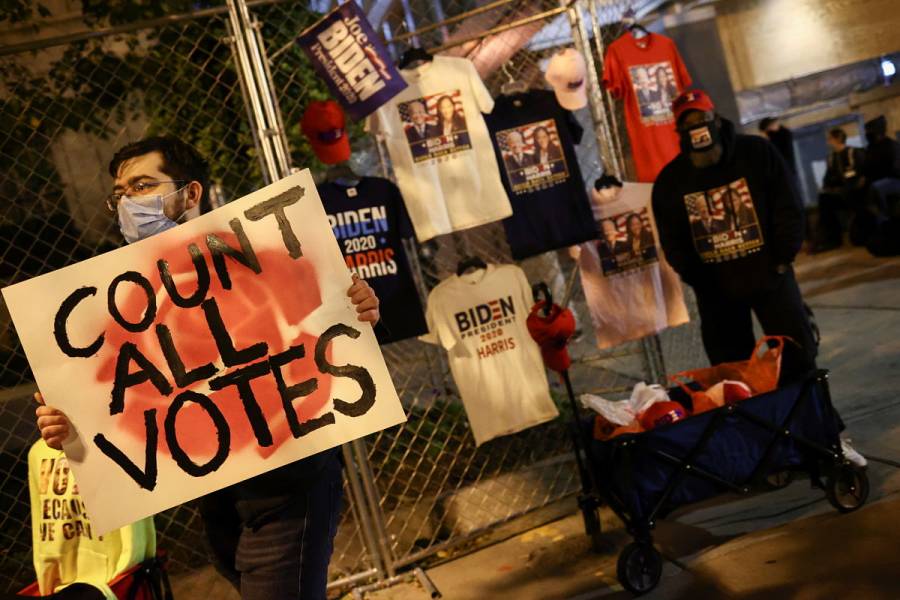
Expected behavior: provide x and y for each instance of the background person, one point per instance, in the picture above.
(842, 189)
(782, 138)
(272, 535)
(882, 168)
(732, 285)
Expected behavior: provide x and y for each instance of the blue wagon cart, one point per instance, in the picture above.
(751, 445)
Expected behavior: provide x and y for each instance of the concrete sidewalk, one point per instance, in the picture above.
(785, 544)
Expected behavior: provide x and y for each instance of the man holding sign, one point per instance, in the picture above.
(194, 405)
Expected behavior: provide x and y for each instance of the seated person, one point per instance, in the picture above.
(882, 168)
(842, 189)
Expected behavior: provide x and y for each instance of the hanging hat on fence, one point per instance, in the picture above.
(552, 332)
(566, 73)
(324, 126)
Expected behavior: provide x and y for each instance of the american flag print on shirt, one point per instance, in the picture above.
(435, 125)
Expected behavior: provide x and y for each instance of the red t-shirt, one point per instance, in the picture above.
(648, 75)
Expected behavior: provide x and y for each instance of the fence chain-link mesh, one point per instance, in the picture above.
(67, 104)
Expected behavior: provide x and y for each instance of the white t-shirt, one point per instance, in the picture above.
(440, 148)
(479, 318)
(630, 289)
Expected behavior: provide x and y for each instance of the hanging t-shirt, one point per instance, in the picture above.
(479, 318)
(534, 138)
(440, 148)
(66, 547)
(370, 223)
(630, 289)
(647, 74)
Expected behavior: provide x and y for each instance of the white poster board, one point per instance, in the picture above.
(204, 355)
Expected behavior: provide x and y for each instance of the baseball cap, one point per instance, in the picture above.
(566, 74)
(691, 100)
(323, 124)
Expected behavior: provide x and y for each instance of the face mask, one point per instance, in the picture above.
(700, 138)
(143, 216)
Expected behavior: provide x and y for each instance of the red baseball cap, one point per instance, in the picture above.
(323, 124)
(691, 100)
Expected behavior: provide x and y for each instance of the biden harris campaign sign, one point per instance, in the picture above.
(207, 354)
(348, 55)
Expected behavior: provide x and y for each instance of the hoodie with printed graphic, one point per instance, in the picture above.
(66, 548)
(726, 228)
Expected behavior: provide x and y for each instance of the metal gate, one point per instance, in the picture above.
(230, 80)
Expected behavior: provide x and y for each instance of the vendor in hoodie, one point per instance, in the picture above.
(745, 267)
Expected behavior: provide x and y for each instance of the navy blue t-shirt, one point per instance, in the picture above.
(534, 139)
(370, 221)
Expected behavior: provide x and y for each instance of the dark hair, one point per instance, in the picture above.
(180, 161)
(764, 124)
(838, 134)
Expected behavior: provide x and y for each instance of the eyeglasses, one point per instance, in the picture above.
(140, 188)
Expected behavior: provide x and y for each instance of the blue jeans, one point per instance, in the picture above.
(285, 554)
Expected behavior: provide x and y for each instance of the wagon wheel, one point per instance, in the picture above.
(779, 479)
(639, 568)
(848, 488)
(594, 529)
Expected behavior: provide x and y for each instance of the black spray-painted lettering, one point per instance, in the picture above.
(230, 356)
(124, 379)
(59, 325)
(202, 280)
(241, 378)
(145, 478)
(360, 375)
(298, 390)
(219, 250)
(275, 206)
(223, 434)
(182, 377)
(149, 313)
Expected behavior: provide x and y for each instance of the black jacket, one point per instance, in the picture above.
(839, 163)
(882, 160)
(776, 202)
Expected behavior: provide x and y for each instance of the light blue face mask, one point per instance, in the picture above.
(143, 216)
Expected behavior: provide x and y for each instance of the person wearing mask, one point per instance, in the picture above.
(739, 275)
(782, 138)
(272, 535)
(841, 189)
(882, 168)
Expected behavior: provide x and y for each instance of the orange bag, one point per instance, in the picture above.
(760, 372)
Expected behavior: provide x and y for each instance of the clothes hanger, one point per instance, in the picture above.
(512, 86)
(629, 19)
(413, 56)
(469, 262)
(541, 291)
(605, 181)
(342, 174)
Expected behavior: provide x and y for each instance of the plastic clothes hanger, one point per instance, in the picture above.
(413, 56)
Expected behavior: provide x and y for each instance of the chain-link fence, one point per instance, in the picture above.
(66, 104)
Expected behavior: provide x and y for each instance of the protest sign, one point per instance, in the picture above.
(204, 355)
(347, 53)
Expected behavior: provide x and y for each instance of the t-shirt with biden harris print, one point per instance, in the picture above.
(534, 138)
(370, 223)
(480, 320)
(440, 149)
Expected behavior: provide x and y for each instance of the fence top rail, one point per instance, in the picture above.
(40, 44)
